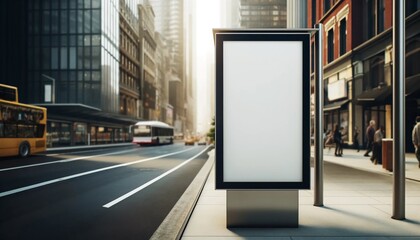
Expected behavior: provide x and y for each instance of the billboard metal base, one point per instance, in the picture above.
(262, 208)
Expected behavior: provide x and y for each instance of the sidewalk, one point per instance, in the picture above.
(354, 159)
(353, 208)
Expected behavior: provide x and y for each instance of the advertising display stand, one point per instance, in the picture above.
(262, 124)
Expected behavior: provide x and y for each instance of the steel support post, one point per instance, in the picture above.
(318, 131)
(398, 111)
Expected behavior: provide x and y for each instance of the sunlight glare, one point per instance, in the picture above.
(207, 18)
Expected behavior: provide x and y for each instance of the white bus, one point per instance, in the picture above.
(152, 133)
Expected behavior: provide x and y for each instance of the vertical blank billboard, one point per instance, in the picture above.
(262, 111)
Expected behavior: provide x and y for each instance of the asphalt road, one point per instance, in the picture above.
(115, 193)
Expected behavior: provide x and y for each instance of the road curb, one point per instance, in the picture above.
(175, 222)
(87, 147)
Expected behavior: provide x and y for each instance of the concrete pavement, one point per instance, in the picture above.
(357, 205)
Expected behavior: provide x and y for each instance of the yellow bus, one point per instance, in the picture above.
(23, 127)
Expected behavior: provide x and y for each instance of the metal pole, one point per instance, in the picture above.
(398, 52)
(318, 121)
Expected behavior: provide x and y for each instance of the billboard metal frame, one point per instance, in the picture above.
(303, 36)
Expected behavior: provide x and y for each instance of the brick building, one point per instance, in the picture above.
(358, 64)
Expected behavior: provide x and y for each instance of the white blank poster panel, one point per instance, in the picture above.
(262, 114)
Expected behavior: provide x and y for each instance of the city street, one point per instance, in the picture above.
(113, 193)
(357, 205)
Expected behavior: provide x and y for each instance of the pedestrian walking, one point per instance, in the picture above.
(356, 139)
(377, 146)
(338, 141)
(329, 139)
(416, 138)
(370, 133)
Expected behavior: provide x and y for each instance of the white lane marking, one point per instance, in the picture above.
(53, 154)
(22, 189)
(64, 161)
(127, 195)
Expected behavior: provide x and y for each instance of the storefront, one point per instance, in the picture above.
(337, 113)
(72, 125)
(336, 103)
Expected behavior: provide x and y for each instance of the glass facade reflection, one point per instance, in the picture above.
(110, 55)
(73, 47)
(73, 44)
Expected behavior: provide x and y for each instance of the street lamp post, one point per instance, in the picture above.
(398, 48)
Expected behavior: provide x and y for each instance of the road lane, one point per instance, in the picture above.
(65, 178)
(127, 195)
(63, 165)
(73, 209)
(64, 160)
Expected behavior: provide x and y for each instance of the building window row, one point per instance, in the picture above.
(149, 62)
(64, 58)
(128, 45)
(129, 65)
(148, 48)
(64, 21)
(63, 4)
(342, 37)
(264, 18)
(128, 81)
(64, 40)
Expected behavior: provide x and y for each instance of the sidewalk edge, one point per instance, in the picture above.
(176, 221)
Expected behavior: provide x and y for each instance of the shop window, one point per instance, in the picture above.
(344, 123)
(80, 133)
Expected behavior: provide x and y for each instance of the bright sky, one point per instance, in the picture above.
(208, 17)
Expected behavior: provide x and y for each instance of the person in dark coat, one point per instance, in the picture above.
(356, 139)
(416, 138)
(370, 133)
(377, 146)
(338, 141)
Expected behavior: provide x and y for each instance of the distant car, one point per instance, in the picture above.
(202, 141)
(189, 141)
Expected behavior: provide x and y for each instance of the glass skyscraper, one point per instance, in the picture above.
(68, 61)
(263, 13)
(74, 46)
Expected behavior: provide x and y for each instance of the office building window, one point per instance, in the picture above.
(343, 36)
(374, 72)
(375, 17)
(411, 7)
(412, 58)
(330, 46)
(313, 13)
(327, 5)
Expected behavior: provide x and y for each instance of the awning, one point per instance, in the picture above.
(335, 105)
(412, 86)
(85, 113)
(375, 96)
